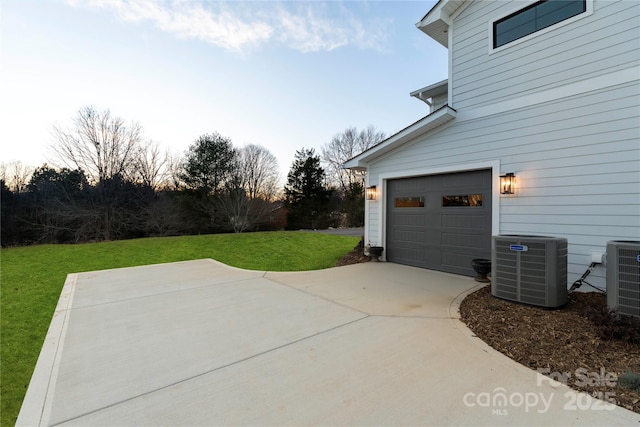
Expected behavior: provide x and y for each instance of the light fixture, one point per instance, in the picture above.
(507, 183)
(371, 193)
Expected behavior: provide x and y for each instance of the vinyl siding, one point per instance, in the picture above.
(577, 162)
(570, 132)
(438, 102)
(598, 44)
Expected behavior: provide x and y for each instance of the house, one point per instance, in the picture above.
(548, 91)
(275, 219)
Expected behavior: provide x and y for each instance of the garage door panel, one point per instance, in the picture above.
(449, 230)
(464, 180)
(408, 237)
(404, 220)
(469, 222)
(455, 263)
(405, 187)
(410, 256)
(464, 241)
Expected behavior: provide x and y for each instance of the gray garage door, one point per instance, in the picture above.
(440, 222)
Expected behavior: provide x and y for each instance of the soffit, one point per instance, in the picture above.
(430, 91)
(436, 22)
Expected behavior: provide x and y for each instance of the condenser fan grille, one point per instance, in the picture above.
(623, 277)
(532, 275)
(530, 269)
(506, 271)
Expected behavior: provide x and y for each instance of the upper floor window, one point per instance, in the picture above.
(535, 17)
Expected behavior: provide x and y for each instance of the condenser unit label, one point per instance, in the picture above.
(518, 248)
(638, 258)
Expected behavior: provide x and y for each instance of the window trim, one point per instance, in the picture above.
(586, 13)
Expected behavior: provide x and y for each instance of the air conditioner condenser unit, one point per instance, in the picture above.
(530, 269)
(623, 276)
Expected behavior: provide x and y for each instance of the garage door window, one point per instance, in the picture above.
(409, 202)
(464, 200)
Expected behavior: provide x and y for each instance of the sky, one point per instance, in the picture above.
(284, 75)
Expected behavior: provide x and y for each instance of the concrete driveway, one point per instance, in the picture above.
(200, 343)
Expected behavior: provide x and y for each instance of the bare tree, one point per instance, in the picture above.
(259, 169)
(251, 188)
(16, 175)
(105, 149)
(235, 205)
(150, 165)
(99, 144)
(174, 170)
(344, 146)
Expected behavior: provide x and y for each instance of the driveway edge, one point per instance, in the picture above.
(38, 400)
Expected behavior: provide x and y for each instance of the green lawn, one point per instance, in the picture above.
(31, 279)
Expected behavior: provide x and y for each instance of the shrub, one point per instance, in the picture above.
(630, 380)
(613, 325)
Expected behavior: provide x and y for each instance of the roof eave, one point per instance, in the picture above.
(435, 24)
(430, 91)
(437, 21)
(428, 123)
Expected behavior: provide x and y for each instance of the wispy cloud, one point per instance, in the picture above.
(309, 31)
(239, 26)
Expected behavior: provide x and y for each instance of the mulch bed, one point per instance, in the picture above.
(559, 341)
(355, 256)
(565, 341)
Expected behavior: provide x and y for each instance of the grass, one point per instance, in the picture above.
(31, 279)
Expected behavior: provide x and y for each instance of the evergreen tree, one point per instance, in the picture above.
(208, 167)
(209, 163)
(306, 196)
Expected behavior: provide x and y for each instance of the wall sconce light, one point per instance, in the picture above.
(507, 183)
(371, 193)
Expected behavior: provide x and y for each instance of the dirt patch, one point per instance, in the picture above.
(563, 341)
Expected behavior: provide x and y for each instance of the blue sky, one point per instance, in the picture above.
(285, 75)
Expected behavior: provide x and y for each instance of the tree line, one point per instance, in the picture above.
(110, 183)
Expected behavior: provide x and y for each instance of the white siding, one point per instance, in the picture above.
(577, 162)
(576, 152)
(599, 44)
(438, 102)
